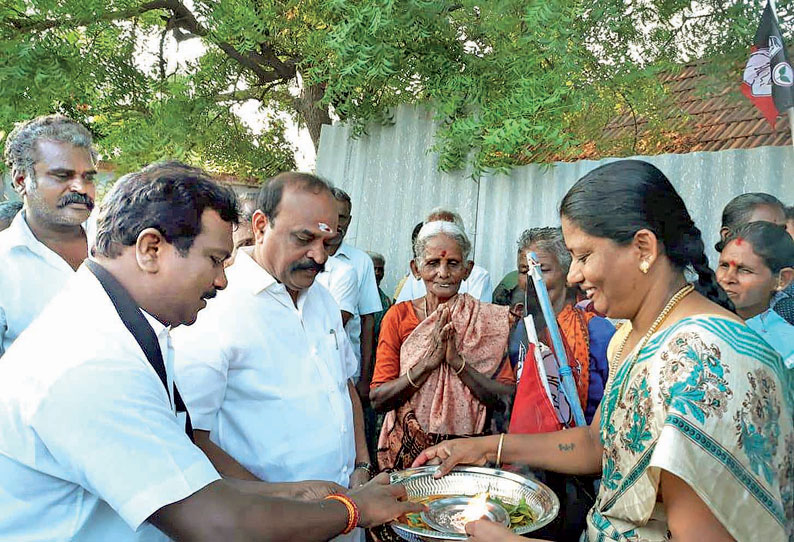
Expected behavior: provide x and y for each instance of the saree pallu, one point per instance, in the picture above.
(444, 406)
(710, 402)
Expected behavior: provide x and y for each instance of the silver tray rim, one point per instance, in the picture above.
(530, 483)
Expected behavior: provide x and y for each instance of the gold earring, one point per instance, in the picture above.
(645, 267)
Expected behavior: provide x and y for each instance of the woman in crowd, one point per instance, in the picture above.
(756, 263)
(441, 360)
(586, 334)
(694, 436)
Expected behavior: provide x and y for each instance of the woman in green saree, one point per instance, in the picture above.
(694, 436)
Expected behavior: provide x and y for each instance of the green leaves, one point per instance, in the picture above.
(511, 81)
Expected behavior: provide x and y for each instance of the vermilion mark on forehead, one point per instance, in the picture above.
(739, 241)
(443, 253)
(732, 263)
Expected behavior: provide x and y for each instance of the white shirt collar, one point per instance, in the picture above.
(20, 235)
(259, 280)
(344, 250)
(254, 275)
(156, 324)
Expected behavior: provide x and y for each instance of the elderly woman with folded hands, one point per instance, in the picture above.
(441, 363)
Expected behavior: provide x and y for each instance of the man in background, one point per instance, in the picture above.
(243, 235)
(52, 166)
(361, 327)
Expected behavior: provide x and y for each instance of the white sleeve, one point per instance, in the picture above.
(410, 289)
(479, 285)
(486, 290)
(344, 288)
(109, 424)
(369, 298)
(201, 369)
(349, 360)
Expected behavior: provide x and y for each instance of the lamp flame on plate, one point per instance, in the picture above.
(476, 509)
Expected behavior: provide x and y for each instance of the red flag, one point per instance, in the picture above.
(768, 76)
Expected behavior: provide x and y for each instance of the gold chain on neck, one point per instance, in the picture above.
(613, 369)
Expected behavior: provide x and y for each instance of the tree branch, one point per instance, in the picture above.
(32, 25)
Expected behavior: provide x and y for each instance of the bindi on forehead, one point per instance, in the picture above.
(733, 263)
(739, 241)
(443, 253)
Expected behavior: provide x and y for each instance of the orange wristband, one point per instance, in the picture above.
(353, 514)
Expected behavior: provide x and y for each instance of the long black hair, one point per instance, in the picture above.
(770, 242)
(618, 199)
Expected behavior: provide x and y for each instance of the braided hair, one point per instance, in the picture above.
(618, 199)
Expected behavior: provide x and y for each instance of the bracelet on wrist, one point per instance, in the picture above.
(367, 467)
(353, 514)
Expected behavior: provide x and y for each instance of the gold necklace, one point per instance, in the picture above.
(675, 300)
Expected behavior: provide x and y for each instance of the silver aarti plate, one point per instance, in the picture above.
(449, 515)
(508, 487)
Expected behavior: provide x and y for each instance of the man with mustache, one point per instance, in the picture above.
(52, 167)
(266, 370)
(92, 444)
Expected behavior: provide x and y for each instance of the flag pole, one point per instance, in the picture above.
(790, 110)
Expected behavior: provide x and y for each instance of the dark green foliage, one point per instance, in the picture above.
(511, 81)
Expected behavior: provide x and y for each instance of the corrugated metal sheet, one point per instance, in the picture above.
(394, 181)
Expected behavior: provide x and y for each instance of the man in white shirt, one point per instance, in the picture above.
(361, 327)
(52, 168)
(477, 284)
(91, 448)
(340, 279)
(266, 370)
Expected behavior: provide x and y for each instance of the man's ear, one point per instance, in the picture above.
(647, 246)
(724, 232)
(149, 249)
(259, 224)
(18, 182)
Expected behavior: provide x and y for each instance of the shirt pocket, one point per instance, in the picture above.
(331, 354)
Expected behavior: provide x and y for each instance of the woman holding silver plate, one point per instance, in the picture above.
(694, 436)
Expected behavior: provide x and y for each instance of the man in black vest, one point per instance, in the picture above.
(91, 444)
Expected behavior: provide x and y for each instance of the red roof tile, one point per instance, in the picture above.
(713, 120)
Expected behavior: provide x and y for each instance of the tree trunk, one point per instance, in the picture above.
(313, 113)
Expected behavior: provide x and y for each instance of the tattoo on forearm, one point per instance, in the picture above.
(566, 447)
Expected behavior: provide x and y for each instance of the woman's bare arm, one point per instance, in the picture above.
(688, 517)
(570, 451)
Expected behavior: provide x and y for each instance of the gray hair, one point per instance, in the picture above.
(20, 150)
(434, 229)
(440, 213)
(548, 240)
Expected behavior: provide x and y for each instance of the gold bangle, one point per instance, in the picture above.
(411, 382)
(499, 451)
(463, 366)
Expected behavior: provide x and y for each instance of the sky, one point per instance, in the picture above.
(189, 50)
